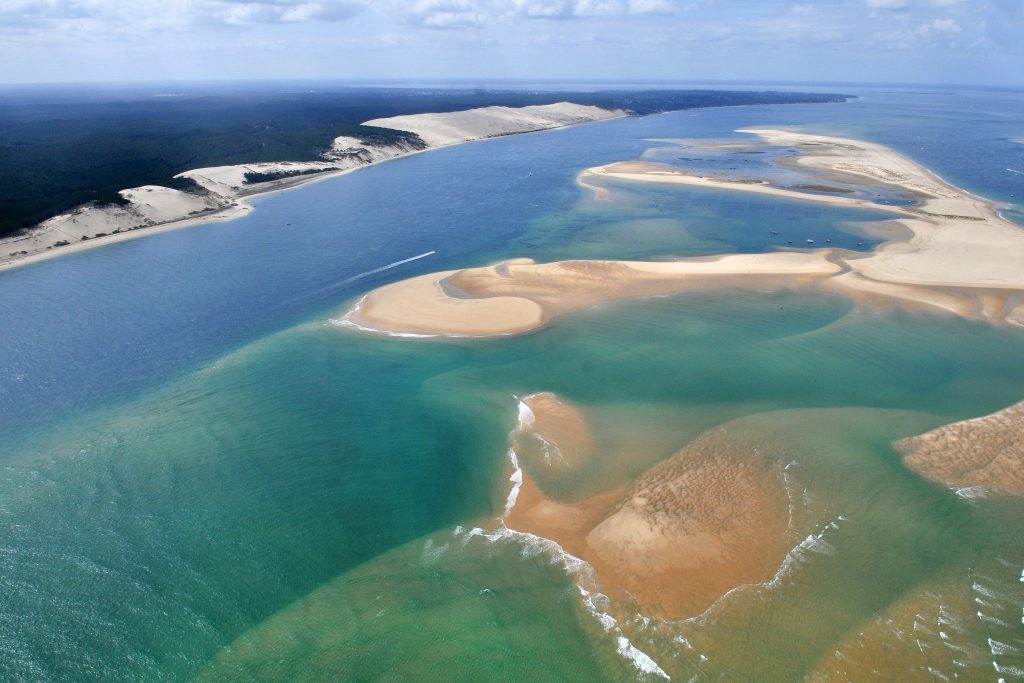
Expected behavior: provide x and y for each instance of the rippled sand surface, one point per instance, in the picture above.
(986, 452)
(688, 530)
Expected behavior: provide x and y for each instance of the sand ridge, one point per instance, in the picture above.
(985, 452)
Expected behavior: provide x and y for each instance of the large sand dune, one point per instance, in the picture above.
(223, 189)
(438, 130)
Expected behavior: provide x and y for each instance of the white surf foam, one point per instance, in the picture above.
(998, 648)
(971, 492)
(576, 568)
(987, 592)
(640, 660)
(347, 321)
(525, 415)
(586, 582)
(814, 543)
(516, 480)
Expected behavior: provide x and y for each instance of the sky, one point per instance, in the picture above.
(967, 42)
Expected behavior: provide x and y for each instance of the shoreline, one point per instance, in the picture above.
(959, 254)
(238, 198)
(240, 208)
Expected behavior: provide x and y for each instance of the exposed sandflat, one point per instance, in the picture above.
(516, 296)
(962, 256)
(986, 452)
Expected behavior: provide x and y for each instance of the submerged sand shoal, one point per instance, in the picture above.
(919, 637)
(712, 517)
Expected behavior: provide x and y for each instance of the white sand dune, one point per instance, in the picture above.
(450, 128)
(223, 188)
(146, 206)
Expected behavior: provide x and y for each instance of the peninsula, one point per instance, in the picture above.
(63, 195)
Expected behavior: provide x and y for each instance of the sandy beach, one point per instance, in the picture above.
(961, 255)
(223, 191)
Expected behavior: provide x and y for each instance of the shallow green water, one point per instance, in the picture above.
(198, 484)
(190, 515)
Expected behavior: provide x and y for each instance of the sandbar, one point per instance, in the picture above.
(960, 255)
(985, 452)
(519, 295)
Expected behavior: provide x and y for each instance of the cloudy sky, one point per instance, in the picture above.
(914, 41)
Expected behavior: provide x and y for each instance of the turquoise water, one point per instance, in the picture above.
(203, 477)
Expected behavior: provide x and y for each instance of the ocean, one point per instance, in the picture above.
(204, 477)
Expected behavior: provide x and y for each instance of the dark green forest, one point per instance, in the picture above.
(64, 146)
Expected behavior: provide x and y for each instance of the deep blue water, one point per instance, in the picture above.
(99, 326)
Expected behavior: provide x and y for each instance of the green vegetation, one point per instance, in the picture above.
(261, 177)
(185, 185)
(65, 146)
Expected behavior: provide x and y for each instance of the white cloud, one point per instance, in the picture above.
(937, 33)
(942, 26)
(480, 13)
(135, 18)
(450, 14)
(651, 7)
(887, 4)
(284, 11)
(803, 10)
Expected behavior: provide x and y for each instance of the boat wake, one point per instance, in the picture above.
(360, 276)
